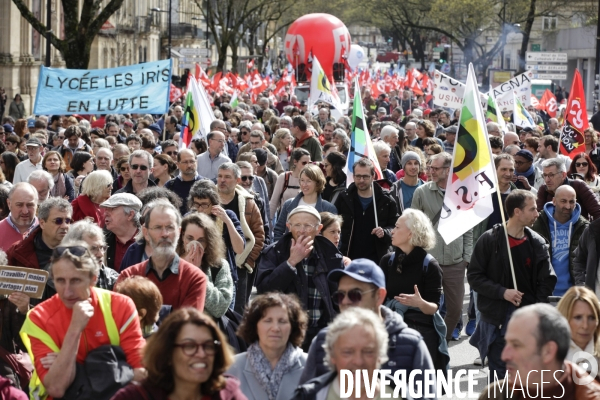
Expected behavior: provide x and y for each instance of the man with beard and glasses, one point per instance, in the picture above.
(181, 283)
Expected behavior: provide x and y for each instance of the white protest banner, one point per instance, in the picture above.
(449, 93)
(141, 88)
(503, 93)
(26, 280)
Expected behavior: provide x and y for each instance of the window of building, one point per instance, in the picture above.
(549, 23)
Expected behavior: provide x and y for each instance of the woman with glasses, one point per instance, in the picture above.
(275, 325)
(186, 359)
(201, 244)
(312, 183)
(204, 198)
(124, 172)
(591, 146)
(63, 183)
(282, 140)
(288, 183)
(414, 278)
(96, 189)
(583, 165)
(164, 167)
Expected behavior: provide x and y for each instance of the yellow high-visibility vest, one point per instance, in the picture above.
(37, 391)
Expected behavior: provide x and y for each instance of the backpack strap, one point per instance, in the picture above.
(426, 262)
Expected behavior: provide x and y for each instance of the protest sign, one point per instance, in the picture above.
(141, 88)
(503, 93)
(449, 93)
(27, 280)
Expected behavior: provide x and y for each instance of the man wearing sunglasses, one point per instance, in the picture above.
(298, 264)
(36, 249)
(141, 164)
(362, 284)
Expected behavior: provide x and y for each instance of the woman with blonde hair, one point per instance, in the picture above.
(282, 140)
(95, 190)
(580, 306)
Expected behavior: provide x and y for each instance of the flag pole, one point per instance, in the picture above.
(374, 204)
(505, 226)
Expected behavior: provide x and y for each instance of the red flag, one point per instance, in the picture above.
(250, 64)
(548, 103)
(377, 88)
(576, 121)
(175, 93)
(258, 84)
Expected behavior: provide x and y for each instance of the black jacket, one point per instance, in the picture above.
(129, 187)
(387, 214)
(585, 264)
(274, 274)
(489, 273)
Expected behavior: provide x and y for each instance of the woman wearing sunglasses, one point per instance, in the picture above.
(288, 183)
(124, 174)
(275, 325)
(96, 189)
(312, 183)
(414, 281)
(186, 359)
(583, 165)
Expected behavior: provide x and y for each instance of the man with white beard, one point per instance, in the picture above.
(181, 284)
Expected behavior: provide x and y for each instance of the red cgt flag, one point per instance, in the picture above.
(548, 104)
(576, 122)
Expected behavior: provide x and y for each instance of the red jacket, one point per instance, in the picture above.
(22, 254)
(84, 207)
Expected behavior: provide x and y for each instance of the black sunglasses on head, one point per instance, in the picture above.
(77, 251)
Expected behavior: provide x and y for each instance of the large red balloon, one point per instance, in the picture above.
(323, 34)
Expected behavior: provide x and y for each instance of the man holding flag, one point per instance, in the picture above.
(369, 213)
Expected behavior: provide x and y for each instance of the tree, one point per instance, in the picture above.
(80, 29)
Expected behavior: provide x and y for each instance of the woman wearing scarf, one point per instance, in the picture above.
(275, 324)
(63, 184)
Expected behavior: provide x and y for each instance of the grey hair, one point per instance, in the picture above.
(286, 118)
(106, 150)
(380, 146)
(419, 224)
(86, 263)
(142, 154)
(136, 214)
(102, 143)
(552, 327)
(83, 228)
(493, 126)
(54, 202)
(353, 317)
(24, 185)
(3, 258)
(444, 156)
(244, 164)
(245, 124)
(511, 147)
(95, 183)
(229, 166)
(257, 133)
(555, 162)
(41, 175)
(161, 204)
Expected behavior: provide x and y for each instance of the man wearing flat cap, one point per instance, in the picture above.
(299, 263)
(122, 224)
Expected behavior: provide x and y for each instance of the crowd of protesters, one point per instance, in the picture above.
(249, 265)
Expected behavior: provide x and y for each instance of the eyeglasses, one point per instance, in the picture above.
(202, 206)
(521, 162)
(123, 169)
(354, 295)
(362, 177)
(248, 177)
(190, 348)
(304, 227)
(172, 153)
(244, 132)
(138, 166)
(77, 251)
(59, 221)
(582, 164)
(60, 137)
(549, 176)
(95, 249)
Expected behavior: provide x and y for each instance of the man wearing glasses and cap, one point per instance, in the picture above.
(298, 263)
(33, 162)
(362, 284)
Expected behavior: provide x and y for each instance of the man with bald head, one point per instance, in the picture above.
(511, 138)
(22, 203)
(210, 161)
(178, 113)
(561, 224)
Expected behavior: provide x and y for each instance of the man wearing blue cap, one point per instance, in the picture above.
(362, 284)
